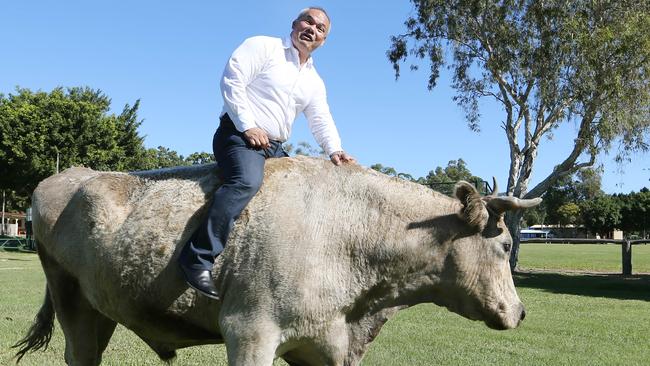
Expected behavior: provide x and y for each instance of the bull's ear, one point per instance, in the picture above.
(474, 211)
(502, 204)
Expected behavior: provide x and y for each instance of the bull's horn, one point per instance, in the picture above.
(495, 187)
(503, 204)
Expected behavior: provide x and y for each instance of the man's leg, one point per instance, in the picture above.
(242, 171)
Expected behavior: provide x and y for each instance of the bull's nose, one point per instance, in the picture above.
(523, 315)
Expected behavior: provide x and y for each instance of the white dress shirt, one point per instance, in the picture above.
(264, 85)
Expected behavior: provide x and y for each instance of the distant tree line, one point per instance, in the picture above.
(440, 179)
(71, 127)
(574, 200)
(579, 200)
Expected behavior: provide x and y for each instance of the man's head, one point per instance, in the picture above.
(309, 30)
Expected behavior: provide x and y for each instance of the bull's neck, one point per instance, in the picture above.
(400, 255)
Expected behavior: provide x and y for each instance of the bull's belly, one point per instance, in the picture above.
(146, 293)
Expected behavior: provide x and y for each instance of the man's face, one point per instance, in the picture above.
(309, 31)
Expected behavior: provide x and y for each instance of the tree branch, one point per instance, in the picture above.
(569, 166)
(544, 185)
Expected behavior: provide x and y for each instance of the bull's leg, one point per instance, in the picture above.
(249, 352)
(86, 331)
(330, 348)
(250, 344)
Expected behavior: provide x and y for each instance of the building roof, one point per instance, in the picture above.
(14, 215)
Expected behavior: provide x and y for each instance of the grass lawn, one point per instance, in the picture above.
(582, 257)
(572, 319)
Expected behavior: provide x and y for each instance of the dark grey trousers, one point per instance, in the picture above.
(242, 170)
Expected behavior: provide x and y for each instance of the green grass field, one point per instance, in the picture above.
(572, 319)
(582, 257)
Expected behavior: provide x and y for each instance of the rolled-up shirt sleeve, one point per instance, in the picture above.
(242, 67)
(321, 122)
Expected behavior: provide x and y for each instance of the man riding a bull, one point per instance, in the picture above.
(266, 84)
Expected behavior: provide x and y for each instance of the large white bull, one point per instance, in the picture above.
(316, 264)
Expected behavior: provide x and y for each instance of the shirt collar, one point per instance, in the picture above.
(288, 44)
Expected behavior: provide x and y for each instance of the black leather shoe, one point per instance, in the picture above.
(201, 281)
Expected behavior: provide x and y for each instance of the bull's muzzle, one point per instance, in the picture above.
(507, 319)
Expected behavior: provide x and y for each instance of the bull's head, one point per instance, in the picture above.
(476, 268)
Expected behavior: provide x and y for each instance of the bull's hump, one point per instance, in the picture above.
(307, 166)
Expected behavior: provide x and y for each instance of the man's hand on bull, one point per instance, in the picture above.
(257, 138)
(341, 157)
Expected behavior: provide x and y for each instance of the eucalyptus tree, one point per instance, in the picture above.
(546, 63)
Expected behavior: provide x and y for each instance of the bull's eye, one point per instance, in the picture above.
(506, 247)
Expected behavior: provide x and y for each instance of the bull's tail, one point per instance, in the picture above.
(40, 332)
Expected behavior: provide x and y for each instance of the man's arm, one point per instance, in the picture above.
(324, 130)
(242, 67)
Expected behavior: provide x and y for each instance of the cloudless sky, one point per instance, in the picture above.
(170, 55)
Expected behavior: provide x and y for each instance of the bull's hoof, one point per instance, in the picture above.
(201, 281)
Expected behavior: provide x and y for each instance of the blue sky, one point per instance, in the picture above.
(170, 55)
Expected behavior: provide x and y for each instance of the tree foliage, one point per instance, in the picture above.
(440, 179)
(76, 125)
(635, 213)
(568, 214)
(388, 170)
(584, 185)
(14, 201)
(546, 63)
(443, 179)
(163, 157)
(73, 123)
(305, 149)
(601, 215)
(199, 158)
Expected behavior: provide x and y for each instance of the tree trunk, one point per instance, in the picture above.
(512, 219)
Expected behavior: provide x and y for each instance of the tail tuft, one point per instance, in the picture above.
(40, 332)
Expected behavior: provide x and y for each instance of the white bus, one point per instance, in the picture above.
(533, 234)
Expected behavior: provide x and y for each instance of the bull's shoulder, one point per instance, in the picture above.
(307, 168)
(347, 180)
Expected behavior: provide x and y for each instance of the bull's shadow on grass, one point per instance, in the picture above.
(17, 260)
(612, 286)
(15, 255)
